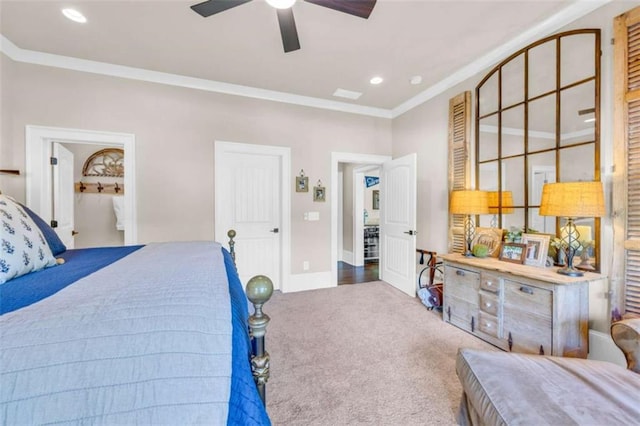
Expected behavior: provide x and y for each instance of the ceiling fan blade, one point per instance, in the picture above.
(361, 8)
(288, 30)
(211, 7)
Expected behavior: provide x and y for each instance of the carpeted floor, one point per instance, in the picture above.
(361, 354)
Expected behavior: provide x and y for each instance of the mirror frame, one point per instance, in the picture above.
(560, 146)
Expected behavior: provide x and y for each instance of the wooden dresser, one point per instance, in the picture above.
(516, 307)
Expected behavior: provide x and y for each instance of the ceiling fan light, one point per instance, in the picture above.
(281, 4)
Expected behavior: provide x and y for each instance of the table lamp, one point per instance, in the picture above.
(572, 200)
(469, 203)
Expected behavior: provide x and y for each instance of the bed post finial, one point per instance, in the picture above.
(231, 234)
(259, 291)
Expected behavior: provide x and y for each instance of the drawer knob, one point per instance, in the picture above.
(489, 283)
(487, 304)
(488, 325)
(459, 272)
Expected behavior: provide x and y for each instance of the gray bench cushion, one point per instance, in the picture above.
(506, 388)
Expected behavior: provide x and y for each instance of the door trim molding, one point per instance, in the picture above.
(336, 159)
(38, 141)
(285, 189)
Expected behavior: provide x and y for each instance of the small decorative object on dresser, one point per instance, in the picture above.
(513, 252)
(490, 237)
(537, 248)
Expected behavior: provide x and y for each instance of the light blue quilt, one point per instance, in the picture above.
(97, 351)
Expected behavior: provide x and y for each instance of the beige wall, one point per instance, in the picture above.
(175, 130)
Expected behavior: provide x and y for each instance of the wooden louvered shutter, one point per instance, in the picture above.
(459, 162)
(626, 193)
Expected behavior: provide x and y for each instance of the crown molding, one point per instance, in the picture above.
(66, 62)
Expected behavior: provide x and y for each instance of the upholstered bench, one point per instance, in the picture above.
(501, 388)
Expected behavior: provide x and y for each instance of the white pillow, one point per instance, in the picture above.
(23, 248)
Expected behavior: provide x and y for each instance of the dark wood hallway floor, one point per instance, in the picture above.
(348, 274)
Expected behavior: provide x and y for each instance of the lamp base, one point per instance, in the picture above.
(570, 271)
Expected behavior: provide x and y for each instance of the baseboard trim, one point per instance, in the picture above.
(347, 257)
(311, 281)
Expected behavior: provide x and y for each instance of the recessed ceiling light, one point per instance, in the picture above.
(74, 15)
(416, 79)
(376, 80)
(348, 94)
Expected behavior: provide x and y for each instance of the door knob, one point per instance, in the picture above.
(411, 232)
(74, 233)
(275, 230)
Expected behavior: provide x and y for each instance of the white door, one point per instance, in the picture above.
(398, 223)
(63, 189)
(248, 200)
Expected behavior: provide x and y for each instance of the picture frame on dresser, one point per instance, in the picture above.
(513, 252)
(537, 249)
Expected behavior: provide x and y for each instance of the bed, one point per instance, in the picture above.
(153, 334)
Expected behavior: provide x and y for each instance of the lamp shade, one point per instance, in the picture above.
(469, 202)
(572, 199)
(494, 202)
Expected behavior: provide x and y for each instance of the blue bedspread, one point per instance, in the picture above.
(244, 401)
(245, 406)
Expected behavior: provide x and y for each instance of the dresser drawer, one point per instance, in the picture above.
(488, 324)
(490, 283)
(526, 298)
(461, 283)
(489, 303)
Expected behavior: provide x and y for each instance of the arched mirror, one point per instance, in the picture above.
(538, 121)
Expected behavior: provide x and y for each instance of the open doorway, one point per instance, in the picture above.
(97, 197)
(40, 142)
(349, 227)
(398, 194)
(359, 223)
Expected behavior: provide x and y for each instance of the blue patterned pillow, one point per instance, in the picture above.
(23, 248)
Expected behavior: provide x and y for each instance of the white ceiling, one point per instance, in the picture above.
(437, 40)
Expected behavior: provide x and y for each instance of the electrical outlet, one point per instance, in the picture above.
(305, 265)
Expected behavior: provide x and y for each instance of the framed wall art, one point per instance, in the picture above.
(375, 195)
(302, 184)
(319, 193)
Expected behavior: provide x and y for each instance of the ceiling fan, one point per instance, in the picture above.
(288, 31)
